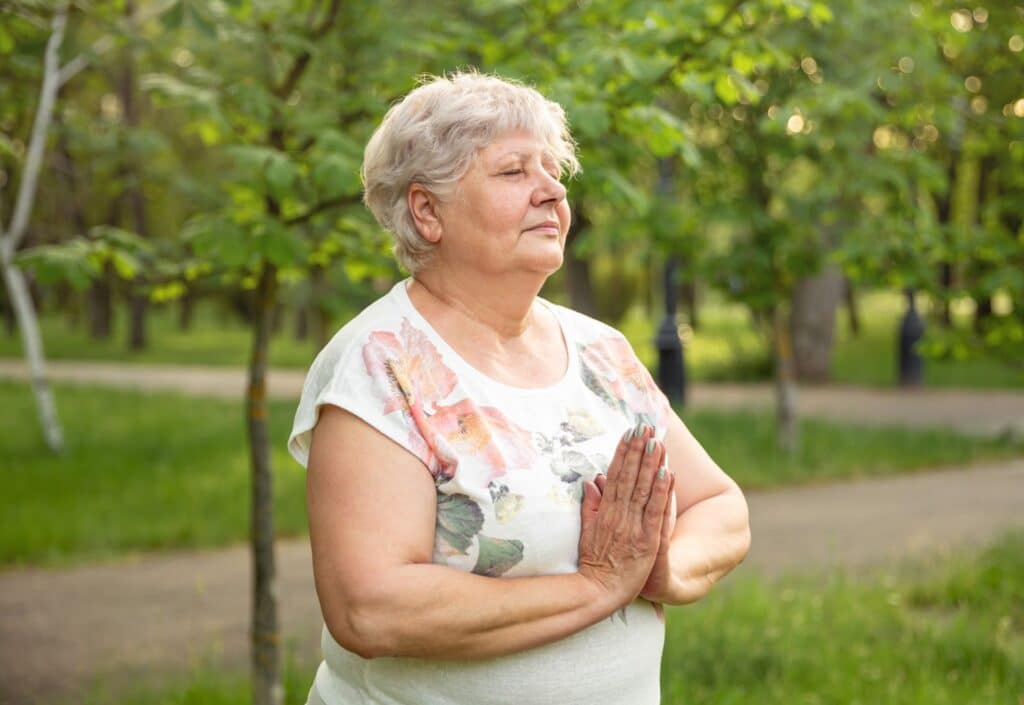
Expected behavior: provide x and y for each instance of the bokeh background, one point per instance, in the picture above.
(806, 216)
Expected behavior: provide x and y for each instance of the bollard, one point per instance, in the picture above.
(671, 368)
(911, 330)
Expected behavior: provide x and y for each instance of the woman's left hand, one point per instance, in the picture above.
(657, 585)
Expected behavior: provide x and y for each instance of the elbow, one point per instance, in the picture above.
(359, 628)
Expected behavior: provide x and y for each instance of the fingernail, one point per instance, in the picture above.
(661, 472)
(628, 435)
(650, 445)
(641, 428)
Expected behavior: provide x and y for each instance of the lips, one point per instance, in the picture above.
(547, 224)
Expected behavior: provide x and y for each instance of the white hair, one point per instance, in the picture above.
(432, 136)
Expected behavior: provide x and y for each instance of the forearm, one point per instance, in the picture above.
(710, 539)
(433, 611)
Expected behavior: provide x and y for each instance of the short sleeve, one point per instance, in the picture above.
(361, 375)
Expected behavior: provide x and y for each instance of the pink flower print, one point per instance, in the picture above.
(613, 372)
(409, 367)
(483, 432)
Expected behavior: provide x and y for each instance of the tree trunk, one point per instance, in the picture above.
(850, 296)
(813, 320)
(787, 424)
(266, 678)
(185, 306)
(11, 236)
(577, 269)
(21, 302)
(139, 302)
(100, 305)
(302, 322)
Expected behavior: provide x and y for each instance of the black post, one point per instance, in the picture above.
(671, 371)
(911, 331)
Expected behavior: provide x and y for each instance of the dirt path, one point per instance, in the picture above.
(971, 411)
(130, 621)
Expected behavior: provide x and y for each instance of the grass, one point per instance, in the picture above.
(160, 471)
(941, 635)
(725, 348)
(945, 633)
(140, 472)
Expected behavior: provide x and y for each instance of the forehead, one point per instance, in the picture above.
(516, 144)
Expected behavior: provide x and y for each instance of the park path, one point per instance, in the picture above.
(966, 410)
(138, 619)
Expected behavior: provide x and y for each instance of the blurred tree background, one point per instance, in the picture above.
(803, 162)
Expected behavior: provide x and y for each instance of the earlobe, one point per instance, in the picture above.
(423, 207)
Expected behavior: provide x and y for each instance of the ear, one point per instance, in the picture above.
(423, 205)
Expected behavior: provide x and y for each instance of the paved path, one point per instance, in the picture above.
(972, 411)
(126, 621)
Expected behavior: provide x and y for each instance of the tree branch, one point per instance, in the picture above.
(302, 60)
(12, 236)
(321, 207)
(105, 44)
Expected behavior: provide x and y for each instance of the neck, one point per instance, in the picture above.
(501, 304)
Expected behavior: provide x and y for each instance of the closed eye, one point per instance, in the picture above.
(512, 172)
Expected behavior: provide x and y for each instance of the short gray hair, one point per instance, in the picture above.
(432, 136)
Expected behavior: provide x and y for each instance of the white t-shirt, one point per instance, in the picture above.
(508, 463)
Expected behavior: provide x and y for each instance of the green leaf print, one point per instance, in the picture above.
(459, 519)
(497, 555)
(594, 384)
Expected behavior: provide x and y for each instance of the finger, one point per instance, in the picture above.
(654, 452)
(654, 512)
(625, 480)
(601, 481)
(615, 466)
(588, 508)
(668, 521)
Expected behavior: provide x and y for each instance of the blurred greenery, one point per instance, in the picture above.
(947, 631)
(726, 348)
(161, 471)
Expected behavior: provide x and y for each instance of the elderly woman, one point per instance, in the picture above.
(493, 514)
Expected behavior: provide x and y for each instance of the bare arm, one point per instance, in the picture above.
(710, 534)
(372, 511)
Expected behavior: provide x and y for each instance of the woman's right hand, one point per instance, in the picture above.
(621, 525)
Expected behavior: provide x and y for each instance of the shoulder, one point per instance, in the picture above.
(584, 329)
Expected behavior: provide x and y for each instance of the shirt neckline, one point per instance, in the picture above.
(401, 291)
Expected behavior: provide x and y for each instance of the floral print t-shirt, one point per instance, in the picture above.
(508, 464)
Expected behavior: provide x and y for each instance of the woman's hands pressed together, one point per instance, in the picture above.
(626, 517)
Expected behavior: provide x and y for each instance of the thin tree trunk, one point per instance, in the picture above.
(787, 424)
(185, 307)
(266, 677)
(21, 302)
(138, 304)
(850, 297)
(10, 238)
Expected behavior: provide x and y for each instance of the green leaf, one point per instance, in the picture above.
(172, 17)
(459, 519)
(281, 174)
(282, 245)
(336, 175)
(497, 555)
(726, 90)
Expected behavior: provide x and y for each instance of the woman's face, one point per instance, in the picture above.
(508, 213)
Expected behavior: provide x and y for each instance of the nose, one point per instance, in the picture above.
(549, 189)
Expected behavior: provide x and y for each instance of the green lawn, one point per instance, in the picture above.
(946, 633)
(154, 471)
(725, 348)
